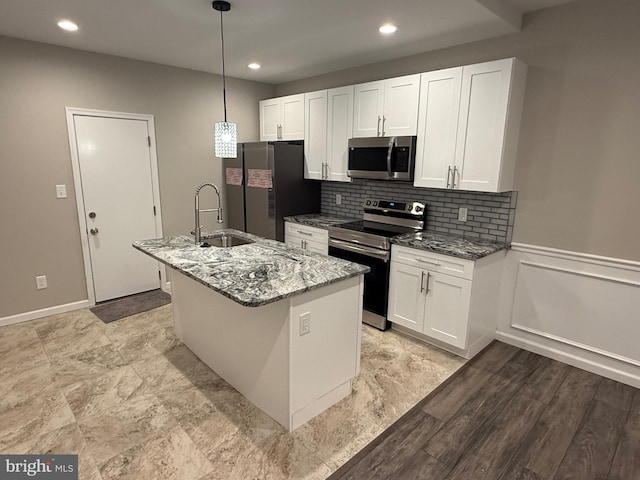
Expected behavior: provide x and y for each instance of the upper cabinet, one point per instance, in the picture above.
(328, 126)
(468, 126)
(282, 118)
(386, 108)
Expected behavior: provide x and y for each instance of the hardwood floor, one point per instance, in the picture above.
(509, 414)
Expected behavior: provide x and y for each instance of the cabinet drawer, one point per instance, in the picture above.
(308, 245)
(308, 233)
(434, 262)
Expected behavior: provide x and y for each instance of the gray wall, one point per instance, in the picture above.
(39, 233)
(578, 171)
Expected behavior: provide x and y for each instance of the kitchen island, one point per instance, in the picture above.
(281, 325)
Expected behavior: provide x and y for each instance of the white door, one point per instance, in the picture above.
(117, 188)
(481, 126)
(269, 119)
(368, 102)
(339, 131)
(315, 134)
(437, 127)
(447, 308)
(406, 296)
(400, 115)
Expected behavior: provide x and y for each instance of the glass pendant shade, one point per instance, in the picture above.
(226, 141)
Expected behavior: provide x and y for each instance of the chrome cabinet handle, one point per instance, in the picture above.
(422, 260)
(383, 119)
(448, 176)
(428, 278)
(378, 129)
(305, 233)
(279, 132)
(303, 244)
(422, 282)
(93, 231)
(326, 171)
(323, 173)
(455, 170)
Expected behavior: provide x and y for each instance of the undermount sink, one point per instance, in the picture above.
(226, 241)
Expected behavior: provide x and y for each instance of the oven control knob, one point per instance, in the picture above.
(418, 209)
(375, 204)
(409, 207)
(368, 202)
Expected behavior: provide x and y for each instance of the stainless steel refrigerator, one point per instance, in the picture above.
(265, 184)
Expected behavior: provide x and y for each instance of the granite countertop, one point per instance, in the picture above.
(254, 274)
(470, 249)
(317, 220)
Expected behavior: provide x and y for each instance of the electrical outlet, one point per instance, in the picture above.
(305, 323)
(462, 214)
(41, 282)
(61, 191)
(338, 199)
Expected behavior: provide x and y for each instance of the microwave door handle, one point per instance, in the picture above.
(392, 143)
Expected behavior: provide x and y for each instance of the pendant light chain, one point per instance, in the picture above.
(224, 83)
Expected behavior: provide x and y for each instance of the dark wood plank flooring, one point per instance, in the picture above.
(509, 414)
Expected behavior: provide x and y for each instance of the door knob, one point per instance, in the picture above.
(92, 214)
(93, 231)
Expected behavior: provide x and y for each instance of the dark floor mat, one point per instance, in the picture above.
(126, 306)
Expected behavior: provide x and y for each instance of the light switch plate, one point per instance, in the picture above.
(41, 282)
(61, 191)
(305, 323)
(462, 214)
(338, 199)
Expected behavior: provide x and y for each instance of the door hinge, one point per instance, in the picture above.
(154, 210)
(149, 140)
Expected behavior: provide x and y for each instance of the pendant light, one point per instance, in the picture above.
(225, 132)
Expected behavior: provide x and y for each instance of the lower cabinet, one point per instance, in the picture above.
(448, 301)
(307, 238)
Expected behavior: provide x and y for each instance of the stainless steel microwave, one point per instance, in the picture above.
(382, 158)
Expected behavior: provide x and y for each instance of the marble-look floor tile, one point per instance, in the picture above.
(113, 431)
(65, 440)
(26, 354)
(133, 347)
(188, 406)
(38, 415)
(172, 456)
(20, 385)
(75, 343)
(15, 336)
(154, 319)
(86, 365)
(104, 392)
(67, 324)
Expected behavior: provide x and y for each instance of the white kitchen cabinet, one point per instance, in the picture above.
(282, 118)
(468, 126)
(328, 126)
(315, 135)
(387, 107)
(444, 300)
(307, 238)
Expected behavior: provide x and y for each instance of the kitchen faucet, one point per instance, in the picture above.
(198, 230)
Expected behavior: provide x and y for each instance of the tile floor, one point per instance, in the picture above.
(134, 402)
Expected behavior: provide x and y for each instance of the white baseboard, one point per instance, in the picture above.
(45, 312)
(573, 307)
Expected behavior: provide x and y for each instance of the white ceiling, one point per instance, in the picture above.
(292, 39)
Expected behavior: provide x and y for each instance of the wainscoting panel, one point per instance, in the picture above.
(581, 309)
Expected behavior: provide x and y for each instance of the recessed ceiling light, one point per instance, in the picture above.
(254, 66)
(68, 25)
(388, 28)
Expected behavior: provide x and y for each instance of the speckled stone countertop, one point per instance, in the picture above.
(254, 274)
(470, 249)
(317, 220)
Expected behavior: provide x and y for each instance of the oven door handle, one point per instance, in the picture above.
(362, 250)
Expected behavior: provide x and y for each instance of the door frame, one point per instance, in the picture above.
(77, 180)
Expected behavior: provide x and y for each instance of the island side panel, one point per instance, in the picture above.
(248, 347)
(326, 359)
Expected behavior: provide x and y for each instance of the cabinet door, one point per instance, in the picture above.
(437, 127)
(292, 117)
(317, 247)
(400, 112)
(269, 119)
(447, 309)
(315, 134)
(481, 125)
(406, 297)
(368, 104)
(294, 241)
(339, 131)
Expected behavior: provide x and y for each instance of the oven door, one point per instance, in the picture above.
(376, 282)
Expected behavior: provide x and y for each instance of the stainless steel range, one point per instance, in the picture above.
(368, 242)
